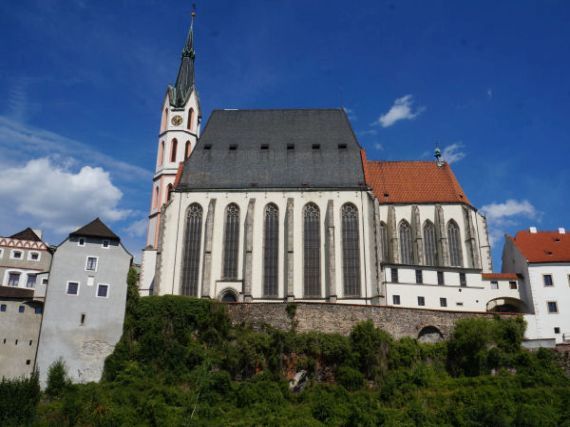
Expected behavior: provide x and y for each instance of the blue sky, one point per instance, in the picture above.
(82, 82)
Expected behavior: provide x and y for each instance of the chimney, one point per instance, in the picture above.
(532, 230)
(562, 230)
(38, 232)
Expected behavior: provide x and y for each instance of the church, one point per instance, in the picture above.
(283, 205)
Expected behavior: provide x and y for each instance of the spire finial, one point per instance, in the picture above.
(437, 155)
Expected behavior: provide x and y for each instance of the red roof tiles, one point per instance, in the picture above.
(543, 246)
(413, 182)
(499, 276)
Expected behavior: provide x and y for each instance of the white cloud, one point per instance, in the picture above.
(137, 228)
(402, 109)
(55, 198)
(350, 113)
(506, 215)
(453, 153)
(379, 146)
(368, 132)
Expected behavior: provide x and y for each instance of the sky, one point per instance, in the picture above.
(82, 84)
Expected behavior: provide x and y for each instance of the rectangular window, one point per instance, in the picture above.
(394, 274)
(396, 299)
(82, 319)
(556, 330)
(13, 279)
(72, 288)
(459, 304)
(44, 281)
(16, 254)
(548, 280)
(31, 283)
(3, 307)
(34, 256)
(105, 244)
(513, 284)
(91, 264)
(419, 277)
(421, 301)
(440, 280)
(102, 290)
(568, 275)
(462, 280)
(494, 284)
(21, 309)
(552, 307)
(81, 241)
(443, 302)
(38, 310)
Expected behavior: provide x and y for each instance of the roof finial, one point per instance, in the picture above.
(188, 50)
(437, 155)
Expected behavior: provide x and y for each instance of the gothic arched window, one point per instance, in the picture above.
(311, 251)
(271, 251)
(231, 242)
(454, 239)
(164, 121)
(161, 153)
(406, 244)
(350, 250)
(430, 243)
(173, 148)
(191, 261)
(187, 150)
(190, 124)
(156, 201)
(384, 241)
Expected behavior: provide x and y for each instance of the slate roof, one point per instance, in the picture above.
(27, 234)
(240, 149)
(414, 182)
(95, 228)
(543, 246)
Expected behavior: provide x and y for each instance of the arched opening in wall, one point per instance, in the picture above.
(190, 124)
(173, 148)
(311, 251)
(454, 241)
(228, 296)
(169, 190)
(384, 242)
(156, 200)
(271, 251)
(350, 250)
(192, 240)
(430, 243)
(161, 153)
(231, 242)
(164, 120)
(430, 334)
(187, 150)
(406, 243)
(506, 305)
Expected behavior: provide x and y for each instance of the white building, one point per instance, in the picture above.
(542, 259)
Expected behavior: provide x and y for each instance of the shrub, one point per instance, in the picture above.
(349, 378)
(57, 380)
(18, 400)
(372, 347)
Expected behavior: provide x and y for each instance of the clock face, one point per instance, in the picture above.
(176, 120)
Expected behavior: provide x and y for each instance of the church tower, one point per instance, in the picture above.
(178, 134)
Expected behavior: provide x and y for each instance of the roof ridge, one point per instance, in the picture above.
(278, 109)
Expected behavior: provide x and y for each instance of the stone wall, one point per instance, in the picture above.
(340, 318)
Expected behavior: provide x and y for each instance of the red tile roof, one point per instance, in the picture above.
(414, 182)
(499, 276)
(543, 246)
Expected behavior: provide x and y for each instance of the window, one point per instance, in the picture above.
(82, 319)
(548, 280)
(290, 147)
(419, 277)
(105, 244)
(384, 241)
(72, 288)
(394, 275)
(440, 278)
(396, 299)
(30, 343)
(350, 250)
(342, 146)
(191, 260)
(161, 149)
(316, 146)
(421, 301)
(312, 250)
(454, 238)
(231, 242)
(91, 264)
(173, 149)
(443, 302)
(207, 147)
(552, 307)
(28, 361)
(513, 284)
(3, 307)
(460, 304)
(264, 147)
(13, 279)
(102, 290)
(494, 284)
(233, 147)
(190, 124)
(187, 149)
(38, 309)
(17, 254)
(169, 189)
(270, 251)
(406, 243)
(21, 309)
(33, 256)
(568, 275)
(45, 281)
(81, 241)
(430, 245)
(31, 282)
(462, 280)
(556, 330)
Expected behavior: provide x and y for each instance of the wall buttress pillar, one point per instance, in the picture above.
(330, 271)
(248, 255)
(207, 258)
(289, 252)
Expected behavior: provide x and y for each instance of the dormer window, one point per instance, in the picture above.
(233, 147)
(105, 244)
(264, 147)
(208, 147)
(316, 146)
(342, 146)
(81, 241)
(290, 147)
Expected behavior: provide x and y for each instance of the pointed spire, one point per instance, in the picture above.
(185, 80)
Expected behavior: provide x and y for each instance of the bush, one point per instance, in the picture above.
(372, 347)
(57, 380)
(18, 400)
(349, 378)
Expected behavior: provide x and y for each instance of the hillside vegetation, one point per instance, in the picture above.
(181, 362)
